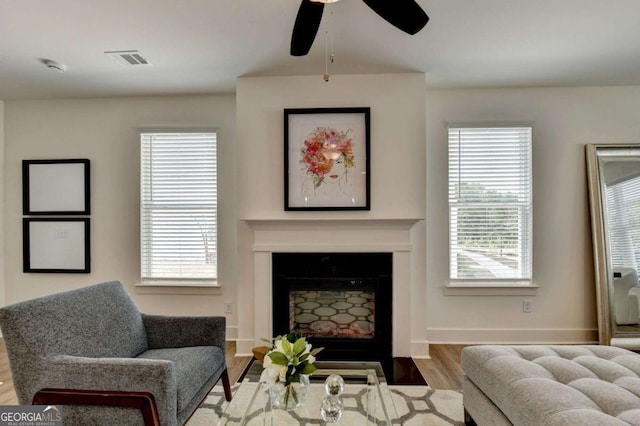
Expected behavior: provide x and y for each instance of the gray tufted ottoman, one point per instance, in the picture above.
(551, 385)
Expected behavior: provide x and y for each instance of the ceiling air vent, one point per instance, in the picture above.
(128, 57)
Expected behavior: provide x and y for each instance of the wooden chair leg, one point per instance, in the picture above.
(142, 401)
(226, 384)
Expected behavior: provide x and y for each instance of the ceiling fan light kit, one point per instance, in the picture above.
(406, 15)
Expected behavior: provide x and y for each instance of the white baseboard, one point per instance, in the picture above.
(244, 346)
(420, 350)
(512, 336)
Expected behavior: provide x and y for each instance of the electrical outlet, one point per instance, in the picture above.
(527, 306)
(228, 308)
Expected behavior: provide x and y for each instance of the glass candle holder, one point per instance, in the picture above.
(334, 385)
(331, 409)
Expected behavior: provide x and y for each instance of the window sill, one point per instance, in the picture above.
(178, 287)
(490, 289)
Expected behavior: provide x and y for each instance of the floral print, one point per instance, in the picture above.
(323, 148)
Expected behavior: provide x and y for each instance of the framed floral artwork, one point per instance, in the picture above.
(326, 157)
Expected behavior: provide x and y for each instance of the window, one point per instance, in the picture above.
(623, 221)
(178, 207)
(490, 216)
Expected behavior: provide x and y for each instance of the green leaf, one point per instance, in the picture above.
(299, 346)
(308, 369)
(278, 358)
(316, 351)
(286, 346)
(293, 336)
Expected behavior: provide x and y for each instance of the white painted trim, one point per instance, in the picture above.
(340, 236)
(420, 349)
(305, 224)
(177, 289)
(319, 248)
(244, 346)
(490, 290)
(508, 336)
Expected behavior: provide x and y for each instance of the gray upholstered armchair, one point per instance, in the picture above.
(94, 352)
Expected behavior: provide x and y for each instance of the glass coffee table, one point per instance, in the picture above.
(366, 399)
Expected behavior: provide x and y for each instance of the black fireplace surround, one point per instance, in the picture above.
(331, 276)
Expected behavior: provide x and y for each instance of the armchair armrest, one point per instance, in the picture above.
(156, 377)
(142, 401)
(184, 331)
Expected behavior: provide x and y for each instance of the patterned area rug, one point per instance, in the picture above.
(415, 405)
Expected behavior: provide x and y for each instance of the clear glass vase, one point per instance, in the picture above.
(291, 396)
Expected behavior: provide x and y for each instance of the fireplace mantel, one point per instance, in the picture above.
(320, 234)
(394, 223)
(333, 235)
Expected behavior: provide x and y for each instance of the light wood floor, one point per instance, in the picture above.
(442, 371)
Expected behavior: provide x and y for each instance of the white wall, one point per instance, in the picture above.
(397, 163)
(2, 179)
(564, 120)
(106, 132)
(251, 167)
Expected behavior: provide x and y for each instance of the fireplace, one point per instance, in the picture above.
(339, 301)
(331, 235)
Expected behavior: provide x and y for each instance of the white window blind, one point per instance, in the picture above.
(178, 206)
(623, 222)
(490, 212)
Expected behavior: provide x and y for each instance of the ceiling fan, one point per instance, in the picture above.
(405, 15)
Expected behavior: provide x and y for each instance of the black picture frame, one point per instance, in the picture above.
(56, 187)
(327, 159)
(56, 245)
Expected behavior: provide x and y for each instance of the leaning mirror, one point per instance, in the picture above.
(614, 193)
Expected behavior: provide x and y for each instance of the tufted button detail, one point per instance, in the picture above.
(558, 384)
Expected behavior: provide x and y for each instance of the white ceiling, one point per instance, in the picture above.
(201, 46)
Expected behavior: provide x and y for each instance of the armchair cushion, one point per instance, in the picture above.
(192, 365)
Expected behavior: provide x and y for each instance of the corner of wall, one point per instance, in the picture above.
(2, 278)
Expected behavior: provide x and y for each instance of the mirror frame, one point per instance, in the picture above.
(602, 264)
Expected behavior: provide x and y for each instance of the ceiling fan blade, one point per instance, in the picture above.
(306, 27)
(406, 15)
